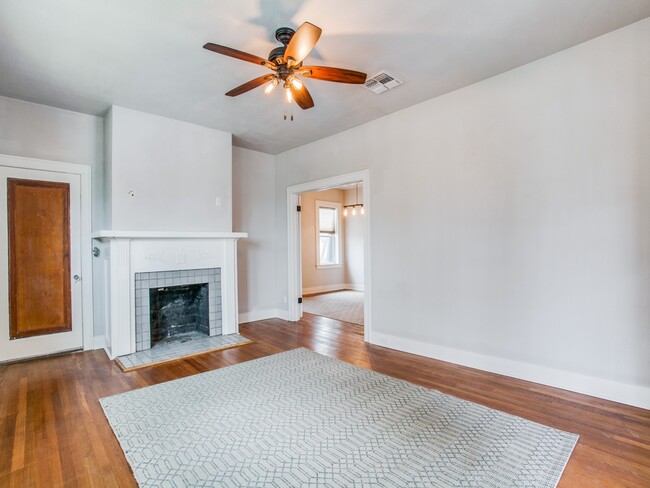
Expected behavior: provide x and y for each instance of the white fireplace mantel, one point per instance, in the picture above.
(131, 252)
(145, 234)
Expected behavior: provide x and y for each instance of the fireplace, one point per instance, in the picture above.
(178, 312)
(172, 305)
(130, 263)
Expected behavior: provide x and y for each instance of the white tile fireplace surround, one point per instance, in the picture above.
(173, 258)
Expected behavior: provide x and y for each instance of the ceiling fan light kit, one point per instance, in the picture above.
(286, 64)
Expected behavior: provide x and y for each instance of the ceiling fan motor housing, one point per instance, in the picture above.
(276, 53)
(283, 35)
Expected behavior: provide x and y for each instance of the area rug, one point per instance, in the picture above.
(345, 305)
(299, 419)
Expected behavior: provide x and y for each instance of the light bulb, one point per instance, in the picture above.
(288, 93)
(345, 212)
(363, 212)
(354, 210)
(297, 84)
(271, 86)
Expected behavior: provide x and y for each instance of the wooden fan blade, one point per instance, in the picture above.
(234, 53)
(338, 75)
(301, 44)
(301, 97)
(248, 86)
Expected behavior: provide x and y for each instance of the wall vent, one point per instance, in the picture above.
(382, 82)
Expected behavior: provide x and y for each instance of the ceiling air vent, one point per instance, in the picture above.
(382, 82)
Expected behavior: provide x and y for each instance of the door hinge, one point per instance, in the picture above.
(299, 299)
(298, 208)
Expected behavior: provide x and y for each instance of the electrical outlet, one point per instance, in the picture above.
(217, 201)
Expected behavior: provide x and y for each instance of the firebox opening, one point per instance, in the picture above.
(179, 312)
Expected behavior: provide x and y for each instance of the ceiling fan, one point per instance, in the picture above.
(286, 64)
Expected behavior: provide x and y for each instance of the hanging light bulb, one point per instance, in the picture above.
(362, 211)
(356, 201)
(287, 91)
(297, 84)
(345, 212)
(271, 86)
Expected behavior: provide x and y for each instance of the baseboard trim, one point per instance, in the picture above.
(354, 286)
(255, 315)
(323, 289)
(328, 288)
(638, 396)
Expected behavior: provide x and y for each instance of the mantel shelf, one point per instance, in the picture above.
(133, 234)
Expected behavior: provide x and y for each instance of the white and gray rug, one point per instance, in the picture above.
(345, 305)
(299, 419)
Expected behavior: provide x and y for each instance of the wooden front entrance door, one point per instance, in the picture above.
(39, 290)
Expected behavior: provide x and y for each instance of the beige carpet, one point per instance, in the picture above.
(340, 305)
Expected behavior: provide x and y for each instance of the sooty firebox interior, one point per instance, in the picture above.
(179, 312)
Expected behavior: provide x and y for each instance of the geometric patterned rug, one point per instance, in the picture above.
(345, 305)
(301, 419)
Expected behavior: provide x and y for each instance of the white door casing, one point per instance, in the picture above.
(78, 177)
(294, 245)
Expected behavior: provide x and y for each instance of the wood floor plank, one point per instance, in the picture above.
(54, 432)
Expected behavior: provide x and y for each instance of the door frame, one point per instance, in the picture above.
(84, 172)
(294, 244)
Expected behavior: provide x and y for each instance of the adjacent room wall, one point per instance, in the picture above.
(353, 227)
(510, 220)
(315, 280)
(164, 174)
(254, 212)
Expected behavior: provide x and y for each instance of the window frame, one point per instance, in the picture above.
(318, 204)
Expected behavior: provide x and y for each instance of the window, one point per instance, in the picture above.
(328, 225)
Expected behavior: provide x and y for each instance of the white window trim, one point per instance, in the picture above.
(338, 233)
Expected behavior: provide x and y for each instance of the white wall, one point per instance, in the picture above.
(353, 226)
(254, 212)
(38, 131)
(175, 169)
(510, 220)
(318, 280)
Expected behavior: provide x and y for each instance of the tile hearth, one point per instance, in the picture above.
(179, 348)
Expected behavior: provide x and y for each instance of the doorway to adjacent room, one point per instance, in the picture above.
(331, 230)
(329, 249)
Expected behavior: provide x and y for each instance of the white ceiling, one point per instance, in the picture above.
(86, 55)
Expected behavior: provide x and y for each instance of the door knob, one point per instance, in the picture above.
(76, 278)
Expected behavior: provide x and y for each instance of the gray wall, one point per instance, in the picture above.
(254, 212)
(511, 218)
(175, 169)
(38, 131)
(353, 225)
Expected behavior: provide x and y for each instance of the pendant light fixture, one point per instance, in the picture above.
(355, 205)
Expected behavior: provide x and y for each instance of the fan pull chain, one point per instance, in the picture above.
(289, 116)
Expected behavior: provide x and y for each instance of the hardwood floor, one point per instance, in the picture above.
(54, 433)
